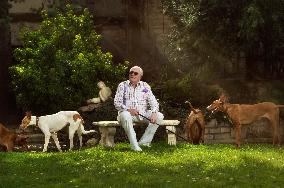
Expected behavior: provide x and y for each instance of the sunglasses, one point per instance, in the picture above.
(132, 72)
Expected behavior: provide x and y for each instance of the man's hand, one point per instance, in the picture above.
(133, 112)
(153, 117)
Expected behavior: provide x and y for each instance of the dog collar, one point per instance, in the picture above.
(37, 120)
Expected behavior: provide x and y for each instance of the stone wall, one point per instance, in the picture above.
(131, 30)
(27, 6)
(158, 25)
(257, 132)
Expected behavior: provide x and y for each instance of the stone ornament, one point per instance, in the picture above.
(104, 94)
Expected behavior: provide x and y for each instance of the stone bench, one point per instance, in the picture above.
(108, 130)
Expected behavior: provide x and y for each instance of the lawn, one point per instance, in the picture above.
(184, 165)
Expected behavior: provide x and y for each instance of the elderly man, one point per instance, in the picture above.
(134, 99)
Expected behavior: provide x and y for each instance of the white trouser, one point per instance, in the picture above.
(127, 120)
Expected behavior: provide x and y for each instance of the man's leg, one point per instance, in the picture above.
(151, 129)
(126, 121)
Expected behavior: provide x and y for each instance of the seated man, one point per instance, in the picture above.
(104, 94)
(134, 99)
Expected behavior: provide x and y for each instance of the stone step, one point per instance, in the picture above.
(35, 138)
(39, 138)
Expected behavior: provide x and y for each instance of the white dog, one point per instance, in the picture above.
(50, 124)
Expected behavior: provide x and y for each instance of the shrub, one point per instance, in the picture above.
(60, 63)
(188, 88)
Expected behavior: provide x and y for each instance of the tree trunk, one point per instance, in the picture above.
(6, 100)
(250, 67)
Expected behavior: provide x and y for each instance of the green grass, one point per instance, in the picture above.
(161, 165)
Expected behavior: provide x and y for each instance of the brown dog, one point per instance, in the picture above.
(195, 125)
(9, 139)
(245, 114)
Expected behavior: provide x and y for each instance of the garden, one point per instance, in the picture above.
(59, 64)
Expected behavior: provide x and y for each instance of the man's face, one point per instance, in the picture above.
(134, 76)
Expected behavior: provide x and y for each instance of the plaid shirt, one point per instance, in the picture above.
(140, 98)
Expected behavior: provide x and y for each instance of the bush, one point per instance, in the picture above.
(60, 63)
(187, 88)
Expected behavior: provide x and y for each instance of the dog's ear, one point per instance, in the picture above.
(76, 117)
(21, 139)
(25, 137)
(29, 114)
(224, 98)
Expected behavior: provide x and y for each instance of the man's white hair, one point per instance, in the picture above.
(137, 67)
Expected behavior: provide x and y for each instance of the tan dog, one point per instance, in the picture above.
(241, 114)
(195, 125)
(9, 139)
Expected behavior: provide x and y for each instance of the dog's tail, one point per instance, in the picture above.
(76, 118)
(195, 132)
(280, 106)
(194, 111)
(84, 131)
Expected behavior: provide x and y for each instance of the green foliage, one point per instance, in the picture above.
(215, 32)
(162, 165)
(192, 47)
(189, 88)
(215, 41)
(60, 63)
(193, 54)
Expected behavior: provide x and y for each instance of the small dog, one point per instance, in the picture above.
(50, 124)
(195, 125)
(241, 114)
(9, 139)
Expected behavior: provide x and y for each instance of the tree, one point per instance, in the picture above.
(5, 52)
(61, 63)
(5, 56)
(214, 32)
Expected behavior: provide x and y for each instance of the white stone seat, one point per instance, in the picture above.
(108, 130)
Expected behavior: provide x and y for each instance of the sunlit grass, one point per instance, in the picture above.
(161, 165)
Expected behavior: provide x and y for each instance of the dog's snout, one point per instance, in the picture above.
(208, 107)
(22, 127)
(207, 112)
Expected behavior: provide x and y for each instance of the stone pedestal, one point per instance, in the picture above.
(171, 131)
(107, 136)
